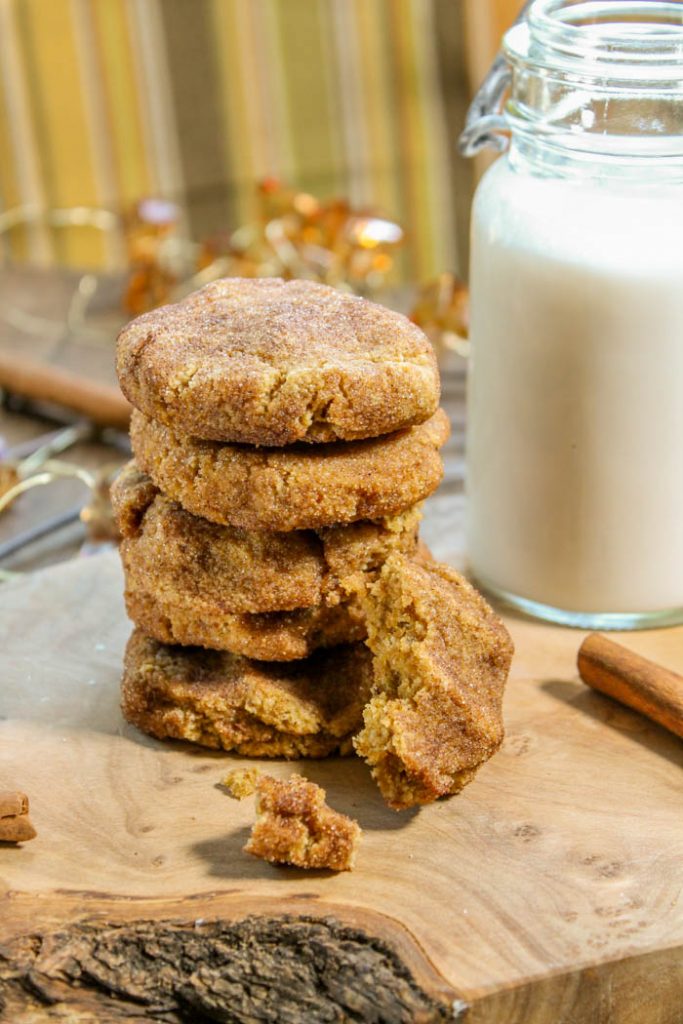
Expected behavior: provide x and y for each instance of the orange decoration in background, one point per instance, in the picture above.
(442, 311)
(299, 236)
(295, 235)
(150, 223)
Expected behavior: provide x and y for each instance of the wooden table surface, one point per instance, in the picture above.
(548, 892)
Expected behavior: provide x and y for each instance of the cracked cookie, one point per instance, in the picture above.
(307, 709)
(295, 826)
(266, 636)
(247, 571)
(271, 596)
(440, 660)
(298, 488)
(263, 361)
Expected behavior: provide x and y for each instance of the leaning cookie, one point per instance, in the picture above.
(269, 362)
(441, 657)
(298, 488)
(309, 709)
(227, 570)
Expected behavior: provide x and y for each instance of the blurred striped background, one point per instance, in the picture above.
(105, 101)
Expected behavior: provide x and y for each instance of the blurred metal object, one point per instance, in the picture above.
(32, 464)
(51, 470)
(484, 124)
(96, 514)
(17, 464)
(51, 525)
(27, 215)
(52, 444)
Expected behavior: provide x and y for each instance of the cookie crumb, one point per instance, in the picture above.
(15, 825)
(241, 782)
(295, 826)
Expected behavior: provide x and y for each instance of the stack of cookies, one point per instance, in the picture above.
(284, 435)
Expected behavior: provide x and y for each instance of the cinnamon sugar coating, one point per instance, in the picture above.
(295, 826)
(248, 570)
(268, 636)
(305, 709)
(441, 658)
(271, 596)
(242, 782)
(267, 362)
(297, 488)
(15, 824)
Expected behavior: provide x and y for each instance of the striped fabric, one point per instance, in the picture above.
(105, 101)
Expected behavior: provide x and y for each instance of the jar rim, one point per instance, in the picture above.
(636, 39)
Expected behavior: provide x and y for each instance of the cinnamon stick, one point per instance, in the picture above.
(643, 685)
(102, 403)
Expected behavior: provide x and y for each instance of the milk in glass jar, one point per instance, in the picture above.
(575, 421)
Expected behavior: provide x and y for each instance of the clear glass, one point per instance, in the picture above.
(575, 424)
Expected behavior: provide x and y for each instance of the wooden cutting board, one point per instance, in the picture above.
(549, 892)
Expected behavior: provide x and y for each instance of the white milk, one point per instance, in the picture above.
(575, 423)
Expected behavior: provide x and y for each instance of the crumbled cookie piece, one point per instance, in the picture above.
(242, 782)
(306, 708)
(15, 825)
(263, 361)
(441, 659)
(295, 826)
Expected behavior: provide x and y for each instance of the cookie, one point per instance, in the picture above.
(295, 826)
(268, 362)
(245, 571)
(298, 488)
(440, 659)
(275, 597)
(179, 618)
(218, 700)
(270, 596)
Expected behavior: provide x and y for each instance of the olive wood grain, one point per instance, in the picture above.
(547, 893)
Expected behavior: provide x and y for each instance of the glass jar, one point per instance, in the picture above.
(575, 422)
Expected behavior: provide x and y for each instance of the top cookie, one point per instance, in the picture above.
(268, 362)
